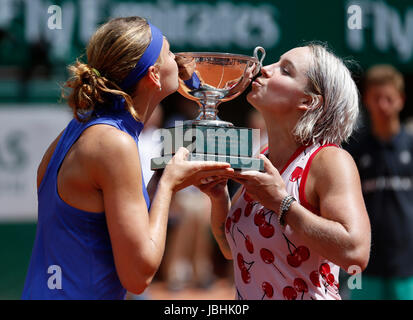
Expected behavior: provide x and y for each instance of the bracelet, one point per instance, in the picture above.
(284, 207)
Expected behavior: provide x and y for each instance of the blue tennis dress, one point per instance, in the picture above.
(72, 256)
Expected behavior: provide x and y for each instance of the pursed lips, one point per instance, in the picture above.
(256, 82)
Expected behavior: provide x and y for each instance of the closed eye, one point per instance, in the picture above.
(284, 71)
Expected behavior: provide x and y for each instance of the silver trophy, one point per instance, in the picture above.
(210, 79)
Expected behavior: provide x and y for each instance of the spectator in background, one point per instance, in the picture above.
(384, 158)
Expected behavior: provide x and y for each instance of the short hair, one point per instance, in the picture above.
(384, 74)
(333, 119)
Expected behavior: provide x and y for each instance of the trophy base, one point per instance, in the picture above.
(236, 162)
(230, 144)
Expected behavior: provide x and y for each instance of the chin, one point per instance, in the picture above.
(251, 98)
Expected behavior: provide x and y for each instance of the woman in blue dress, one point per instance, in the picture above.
(100, 232)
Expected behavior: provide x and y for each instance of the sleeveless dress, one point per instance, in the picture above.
(72, 256)
(271, 262)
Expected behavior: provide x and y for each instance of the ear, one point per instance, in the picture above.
(154, 76)
(311, 102)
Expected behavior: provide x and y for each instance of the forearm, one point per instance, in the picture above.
(158, 222)
(219, 211)
(329, 238)
(153, 184)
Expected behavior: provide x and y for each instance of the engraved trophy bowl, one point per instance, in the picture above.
(211, 78)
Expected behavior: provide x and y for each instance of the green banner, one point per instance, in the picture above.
(36, 33)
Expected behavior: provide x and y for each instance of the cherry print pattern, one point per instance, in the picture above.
(300, 286)
(247, 197)
(259, 217)
(328, 278)
(289, 293)
(268, 290)
(266, 229)
(248, 242)
(315, 278)
(231, 221)
(245, 273)
(297, 174)
(304, 277)
(248, 209)
(250, 204)
(298, 255)
(268, 257)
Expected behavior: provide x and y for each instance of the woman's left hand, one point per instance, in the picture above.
(267, 187)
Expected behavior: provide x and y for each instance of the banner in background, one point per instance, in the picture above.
(372, 30)
(45, 36)
(25, 134)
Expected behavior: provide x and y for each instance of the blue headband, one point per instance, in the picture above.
(148, 59)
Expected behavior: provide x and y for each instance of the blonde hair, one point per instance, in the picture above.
(112, 52)
(333, 119)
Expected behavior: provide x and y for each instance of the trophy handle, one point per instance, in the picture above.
(263, 53)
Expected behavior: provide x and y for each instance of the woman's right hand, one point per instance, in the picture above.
(214, 187)
(180, 173)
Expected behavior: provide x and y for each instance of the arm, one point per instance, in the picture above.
(220, 205)
(219, 210)
(138, 238)
(153, 184)
(342, 233)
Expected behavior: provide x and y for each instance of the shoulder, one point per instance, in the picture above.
(333, 165)
(105, 150)
(332, 157)
(106, 140)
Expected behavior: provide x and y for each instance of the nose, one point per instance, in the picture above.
(266, 71)
(383, 102)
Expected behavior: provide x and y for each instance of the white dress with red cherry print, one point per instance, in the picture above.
(271, 262)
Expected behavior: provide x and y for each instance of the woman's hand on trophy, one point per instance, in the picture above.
(214, 187)
(180, 173)
(267, 187)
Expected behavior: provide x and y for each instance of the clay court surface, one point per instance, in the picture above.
(221, 289)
